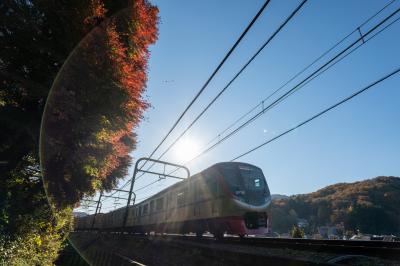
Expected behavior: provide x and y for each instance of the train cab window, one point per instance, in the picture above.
(253, 178)
(152, 209)
(145, 209)
(232, 177)
(160, 204)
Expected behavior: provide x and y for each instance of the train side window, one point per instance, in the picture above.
(140, 210)
(152, 206)
(171, 202)
(146, 209)
(182, 196)
(160, 204)
(200, 188)
(196, 190)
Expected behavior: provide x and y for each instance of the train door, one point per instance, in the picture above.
(211, 185)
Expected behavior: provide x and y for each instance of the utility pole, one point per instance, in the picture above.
(161, 175)
(97, 208)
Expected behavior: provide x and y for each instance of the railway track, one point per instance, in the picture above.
(380, 249)
(176, 250)
(246, 251)
(385, 250)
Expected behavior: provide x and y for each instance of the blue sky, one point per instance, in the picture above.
(359, 140)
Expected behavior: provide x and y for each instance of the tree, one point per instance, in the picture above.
(281, 220)
(36, 39)
(297, 232)
(370, 206)
(95, 103)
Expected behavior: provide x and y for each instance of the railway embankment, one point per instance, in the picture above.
(124, 249)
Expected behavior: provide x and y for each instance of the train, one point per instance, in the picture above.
(226, 198)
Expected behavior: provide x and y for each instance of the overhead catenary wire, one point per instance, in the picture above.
(300, 72)
(314, 74)
(320, 113)
(321, 57)
(261, 48)
(357, 93)
(211, 77)
(148, 185)
(227, 55)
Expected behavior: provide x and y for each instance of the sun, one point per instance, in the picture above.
(186, 149)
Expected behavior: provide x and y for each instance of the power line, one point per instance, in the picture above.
(320, 113)
(374, 35)
(304, 122)
(235, 77)
(208, 80)
(211, 77)
(147, 185)
(311, 77)
(301, 72)
(305, 81)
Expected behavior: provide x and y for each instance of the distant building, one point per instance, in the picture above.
(328, 232)
(317, 236)
(285, 235)
(360, 237)
(302, 223)
(331, 232)
(389, 238)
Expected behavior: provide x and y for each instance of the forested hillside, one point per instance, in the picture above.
(371, 206)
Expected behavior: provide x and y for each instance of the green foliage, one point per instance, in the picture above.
(370, 206)
(297, 232)
(36, 37)
(37, 241)
(69, 256)
(281, 219)
(30, 234)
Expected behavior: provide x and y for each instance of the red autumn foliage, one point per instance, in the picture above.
(96, 104)
(97, 11)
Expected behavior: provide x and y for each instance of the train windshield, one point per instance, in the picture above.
(247, 183)
(253, 178)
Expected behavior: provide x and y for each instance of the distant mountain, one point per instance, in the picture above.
(278, 196)
(79, 214)
(371, 206)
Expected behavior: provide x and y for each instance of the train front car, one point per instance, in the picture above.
(247, 197)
